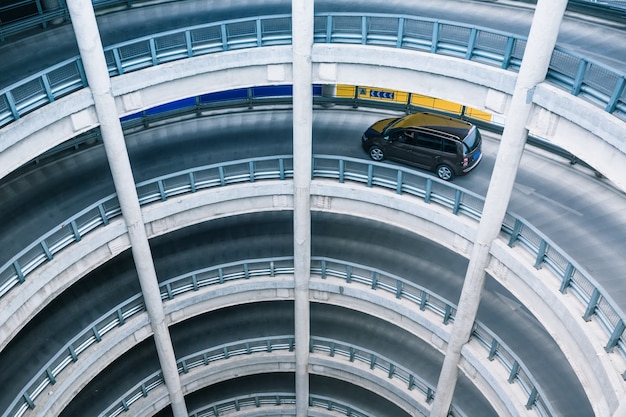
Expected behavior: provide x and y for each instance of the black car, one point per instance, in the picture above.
(442, 144)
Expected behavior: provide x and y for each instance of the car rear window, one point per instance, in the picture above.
(472, 140)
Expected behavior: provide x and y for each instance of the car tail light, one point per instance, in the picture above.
(465, 162)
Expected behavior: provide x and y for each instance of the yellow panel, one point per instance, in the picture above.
(478, 114)
(345, 91)
(386, 95)
(448, 106)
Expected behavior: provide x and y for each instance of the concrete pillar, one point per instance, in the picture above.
(302, 31)
(541, 41)
(92, 55)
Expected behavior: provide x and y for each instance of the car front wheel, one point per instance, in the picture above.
(376, 153)
(445, 172)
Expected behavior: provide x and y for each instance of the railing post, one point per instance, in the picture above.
(457, 202)
(580, 75)
(615, 336)
(617, 93)
(363, 30)
(514, 372)
(428, 191)
(515, 233)
(592, 305)
(531, 398)
(400, 34)
(541, 253)
(12, 106)
(471, 44)
(329, 28)
(508, 52)
(188, 44)
(399, 180)
(567, 278)
(435, 38)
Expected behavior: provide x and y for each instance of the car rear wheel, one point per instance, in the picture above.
(445, 172)
(376, 153)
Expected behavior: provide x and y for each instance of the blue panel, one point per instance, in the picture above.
(272, 91)
(240, 93)
(131, 117)
(237, 94)
(175, 105)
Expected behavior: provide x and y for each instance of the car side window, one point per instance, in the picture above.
(403, 136)
(409, 137)
(428, 142)
(449, 146)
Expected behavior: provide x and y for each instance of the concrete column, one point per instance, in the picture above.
(92, 55)
(302, 32)
(541, 41)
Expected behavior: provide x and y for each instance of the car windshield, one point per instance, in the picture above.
(391, 125)
(472, 140)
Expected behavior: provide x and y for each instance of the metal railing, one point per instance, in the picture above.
(22, 16)
(276, 399)
(596, 301)
(602, 85)
(333, 348)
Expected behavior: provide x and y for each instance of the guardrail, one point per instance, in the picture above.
(272, 399)
(604, 86)
(322, 267)
(276, 399)
(25, 15)
(597, 302)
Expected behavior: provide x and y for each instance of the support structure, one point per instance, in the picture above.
(541, 42)
(92, 55)
(302, 30)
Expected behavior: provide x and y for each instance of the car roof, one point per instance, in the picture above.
(450, 125)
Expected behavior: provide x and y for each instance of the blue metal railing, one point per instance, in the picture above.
(274, 399)
(24, 15)
(322, 268)
(597, 302)
(592, 80)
